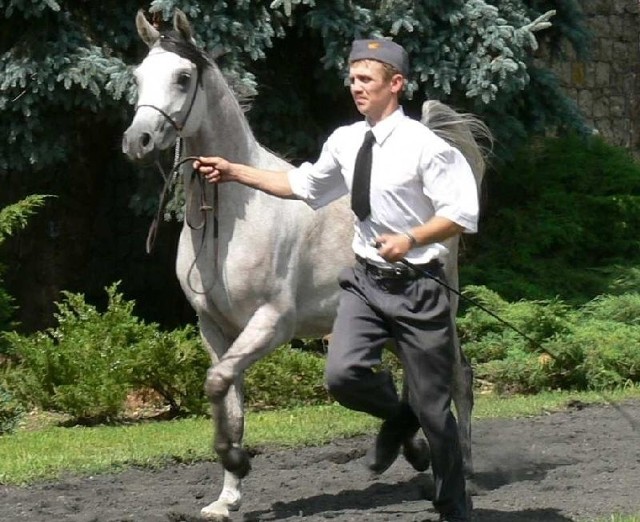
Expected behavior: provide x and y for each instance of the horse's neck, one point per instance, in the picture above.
(224, 131)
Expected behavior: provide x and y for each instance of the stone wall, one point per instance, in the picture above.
(607, 85)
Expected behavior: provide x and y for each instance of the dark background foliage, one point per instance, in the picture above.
(560, 219)
(66, 96)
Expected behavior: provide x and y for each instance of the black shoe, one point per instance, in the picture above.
(386, 449)
(416, 451)
(393, 434)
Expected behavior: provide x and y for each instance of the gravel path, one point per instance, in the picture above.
(575, 465)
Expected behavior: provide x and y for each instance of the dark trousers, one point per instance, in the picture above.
(415, 315)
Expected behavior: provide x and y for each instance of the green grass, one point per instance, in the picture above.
(621, 518)
(44, 454)
(490, 406)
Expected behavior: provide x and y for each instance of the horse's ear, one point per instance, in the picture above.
(182, 25)
(146, 31)
(217, 52)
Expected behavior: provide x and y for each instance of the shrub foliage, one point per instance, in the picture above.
(13, 218)
(10, 411)
(590, 347)
(90, 362)
(286, 378)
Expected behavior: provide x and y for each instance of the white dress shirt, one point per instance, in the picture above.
(415, 175)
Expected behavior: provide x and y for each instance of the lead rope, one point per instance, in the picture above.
(204, 208)
(169, 183)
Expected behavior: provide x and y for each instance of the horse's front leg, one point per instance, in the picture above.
(269, 327)
(228, 420)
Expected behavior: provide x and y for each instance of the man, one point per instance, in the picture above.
(410, 191)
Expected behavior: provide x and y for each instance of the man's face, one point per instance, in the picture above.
(374, 94)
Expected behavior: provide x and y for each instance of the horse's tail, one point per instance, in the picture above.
(464, 131)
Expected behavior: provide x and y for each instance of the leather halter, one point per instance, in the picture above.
(170, 181)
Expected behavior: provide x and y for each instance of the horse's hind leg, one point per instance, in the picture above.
(228, 420)
(463, 399)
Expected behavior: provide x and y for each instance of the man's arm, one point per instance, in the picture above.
(219, 170)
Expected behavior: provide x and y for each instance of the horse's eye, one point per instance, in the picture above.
(183, 80)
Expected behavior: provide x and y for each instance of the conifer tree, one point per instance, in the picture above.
(67, 65)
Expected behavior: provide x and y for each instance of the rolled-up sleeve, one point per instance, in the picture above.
(320, 183)
(449, 182)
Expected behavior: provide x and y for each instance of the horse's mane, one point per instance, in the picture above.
(172, 41)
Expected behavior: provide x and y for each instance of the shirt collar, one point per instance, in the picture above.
(385, 127)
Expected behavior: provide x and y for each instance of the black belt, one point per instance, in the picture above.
(398, 271)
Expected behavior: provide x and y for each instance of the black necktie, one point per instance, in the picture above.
(362, 178)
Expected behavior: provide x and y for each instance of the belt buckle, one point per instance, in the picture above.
(396, 271)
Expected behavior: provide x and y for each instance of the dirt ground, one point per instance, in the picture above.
(575, 465)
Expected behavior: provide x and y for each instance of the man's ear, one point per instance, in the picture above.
(397, 83)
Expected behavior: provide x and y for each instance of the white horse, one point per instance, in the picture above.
(271, 273)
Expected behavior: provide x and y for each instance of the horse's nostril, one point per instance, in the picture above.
(145, 139)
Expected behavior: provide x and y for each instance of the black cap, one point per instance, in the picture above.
(381, 50)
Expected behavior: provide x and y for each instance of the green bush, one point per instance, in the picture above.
(607, 355)
(174, 364)
(79, 367)
(12, 218)
(10, 411)
(518, 372)
(286, 378)
(91, 361)
(591, 347)
(621, 308)
(485, 338)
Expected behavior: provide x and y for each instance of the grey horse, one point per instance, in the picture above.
(250, 270)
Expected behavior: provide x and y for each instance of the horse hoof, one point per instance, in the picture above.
(215, 512)
(219, 511)
(236, 461)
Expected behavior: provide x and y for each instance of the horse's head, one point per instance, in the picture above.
(170, 95)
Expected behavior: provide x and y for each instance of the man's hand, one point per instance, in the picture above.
(214, 169)
(393, 247)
